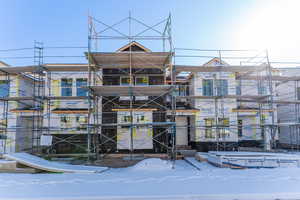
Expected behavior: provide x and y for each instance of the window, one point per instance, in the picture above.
(208, 87)
(208, 127)
(4, 88)
(240, 127)
(142, 80)
(262, 90)
(64, 119)
(262, 121)
(140, 118)
(126, 119)
(298, 93)
(81, 82)
(181, 90)
(65, 122)
(222, 87)
(81, 120)
(239, 89)
(66, 87)
(125, 80)
(224, 127)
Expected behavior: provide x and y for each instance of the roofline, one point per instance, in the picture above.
(4, 63)
(133, 43)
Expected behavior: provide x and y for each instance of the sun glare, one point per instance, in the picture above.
(273, 26)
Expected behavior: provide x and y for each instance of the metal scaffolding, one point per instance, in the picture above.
(130, 63)
(244, 65)
(255, 78)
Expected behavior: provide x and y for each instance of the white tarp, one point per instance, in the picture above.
(141, 135)
(46, 140)
(50, 166)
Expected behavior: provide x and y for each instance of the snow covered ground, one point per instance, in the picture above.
(155, 179)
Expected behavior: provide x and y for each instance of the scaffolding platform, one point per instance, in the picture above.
(151, 90)
(129, 59)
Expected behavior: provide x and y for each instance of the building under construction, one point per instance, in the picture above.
(146, 96)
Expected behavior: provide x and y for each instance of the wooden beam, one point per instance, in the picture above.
(70, 111)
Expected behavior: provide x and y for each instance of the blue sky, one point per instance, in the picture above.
(203, 24)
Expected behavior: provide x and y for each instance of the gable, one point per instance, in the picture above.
(216, 62)
(134, 46)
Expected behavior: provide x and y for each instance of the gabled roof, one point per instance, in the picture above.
(135, 46)
(216, 62)
(3, 64)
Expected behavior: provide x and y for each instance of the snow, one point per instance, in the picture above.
(39, 163)
(153, 164)
(255, 154)
(183, 182)
(254, 159)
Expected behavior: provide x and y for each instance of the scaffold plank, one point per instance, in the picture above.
(151, 90)
(136, 59)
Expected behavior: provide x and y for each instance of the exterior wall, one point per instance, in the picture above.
(75, 122)
(287, 113)
(208, 109)
(251, 130)
(18, 132)
(120, 135)
(142, 136)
